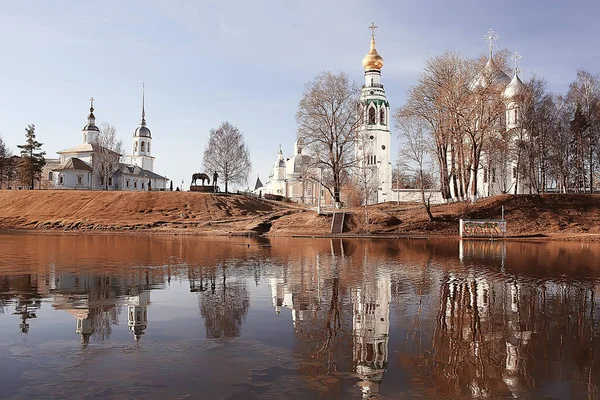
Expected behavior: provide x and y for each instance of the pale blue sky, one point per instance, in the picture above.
(205, 62)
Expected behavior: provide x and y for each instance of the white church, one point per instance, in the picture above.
(372, 151)
(75, 166)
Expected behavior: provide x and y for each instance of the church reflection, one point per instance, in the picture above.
(95, 300)
(331, 334)
(366, 319)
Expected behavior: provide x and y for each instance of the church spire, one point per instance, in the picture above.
(143, 105)
(91, 117)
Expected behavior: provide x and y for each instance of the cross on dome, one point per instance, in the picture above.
(491, 37)
(516, 57)
(92, 103)
(372, 28)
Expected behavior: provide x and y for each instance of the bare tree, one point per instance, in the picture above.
(585, 90)
(416, 153)
(328, 122)
(107, 153)
(227, 154)
(366, 173)
(5, 162)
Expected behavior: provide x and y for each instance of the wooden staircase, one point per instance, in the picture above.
(337, 223)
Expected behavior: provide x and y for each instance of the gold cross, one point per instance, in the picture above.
(372, 28)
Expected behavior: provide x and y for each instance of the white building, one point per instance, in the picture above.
(134, 172)
(294, 177)
(373, 149)
(498, 170)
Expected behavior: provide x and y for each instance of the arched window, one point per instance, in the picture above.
(148, 147)
(382, 116)
(135, 146)
(143, 148)
(50, 175)
(516, 116)
(371, 120)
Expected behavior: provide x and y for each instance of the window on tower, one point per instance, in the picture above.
(135, 146)
(148, 147)
(371, 120)
(143, 147)
(382, 115)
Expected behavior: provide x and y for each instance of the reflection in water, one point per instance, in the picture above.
(348, 318)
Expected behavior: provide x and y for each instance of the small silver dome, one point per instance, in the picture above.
(515, 89)
(490, 74)
(143, 131)
(89, 127)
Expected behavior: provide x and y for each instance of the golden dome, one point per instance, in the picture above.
(372, 60)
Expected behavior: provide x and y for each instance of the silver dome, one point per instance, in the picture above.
(515, 89)
(143, 131)
(491, 74)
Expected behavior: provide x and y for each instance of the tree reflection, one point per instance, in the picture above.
(224, 306)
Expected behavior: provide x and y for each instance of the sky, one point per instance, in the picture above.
(247, 62)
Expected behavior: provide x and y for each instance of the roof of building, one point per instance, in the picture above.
(86, 148)
(74, 164)
(259, 184)
(134, 170)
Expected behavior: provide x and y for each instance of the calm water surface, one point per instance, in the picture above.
(187, 317)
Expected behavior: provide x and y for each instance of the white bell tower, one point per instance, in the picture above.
(91, 132)
(373, 147)
(142, 142)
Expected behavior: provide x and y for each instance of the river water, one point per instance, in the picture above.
(188, 317)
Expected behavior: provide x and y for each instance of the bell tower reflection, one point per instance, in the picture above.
(137, 314)
(371, 328)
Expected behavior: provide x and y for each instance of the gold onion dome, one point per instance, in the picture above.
(372, 60)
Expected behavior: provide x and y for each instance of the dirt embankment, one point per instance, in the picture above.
(184, 212)
(555, 216)
(558, 216)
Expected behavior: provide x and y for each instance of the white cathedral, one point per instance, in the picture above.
(297, 177)
(75, 167)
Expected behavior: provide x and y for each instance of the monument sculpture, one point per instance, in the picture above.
(202, 177)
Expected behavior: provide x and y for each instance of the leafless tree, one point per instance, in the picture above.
(585, 90)
(6, 163)
(227, 154)
(328, 122)
(107, 153)
(365, 173)
(416, 153)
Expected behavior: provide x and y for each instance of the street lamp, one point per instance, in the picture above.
(398, 182)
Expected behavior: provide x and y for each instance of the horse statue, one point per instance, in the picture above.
(202, 176)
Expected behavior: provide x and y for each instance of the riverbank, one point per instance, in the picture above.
(551, 216)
